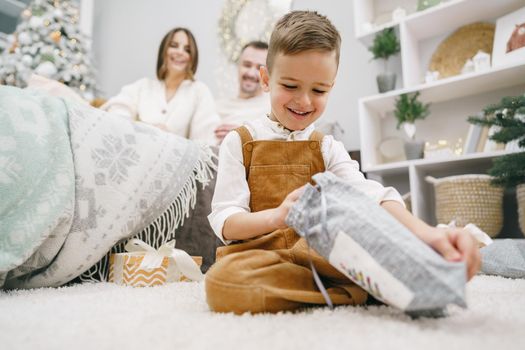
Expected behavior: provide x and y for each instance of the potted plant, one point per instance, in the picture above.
(508, 171)
(425, 4)
(385, 45)
(408, 110)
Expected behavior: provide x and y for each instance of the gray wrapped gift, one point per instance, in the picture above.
(504, 257)
(374, 250)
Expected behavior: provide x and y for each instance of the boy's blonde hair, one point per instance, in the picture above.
(300, 31)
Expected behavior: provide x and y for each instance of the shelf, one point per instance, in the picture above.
(396, 168)
(424, 23)
(452, 88)
(463, 12)
(368, 36)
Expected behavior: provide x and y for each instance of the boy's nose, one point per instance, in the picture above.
(303, 100)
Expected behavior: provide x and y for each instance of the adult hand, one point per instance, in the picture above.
(456, 244)
(161, 126)
(223, 129)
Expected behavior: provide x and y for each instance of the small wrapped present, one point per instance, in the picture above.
(143, 266)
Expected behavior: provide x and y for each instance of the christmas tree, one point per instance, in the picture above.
(48, 42)
(3, 42)
(509, 118)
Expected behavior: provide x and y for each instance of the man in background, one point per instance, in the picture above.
(251, 102)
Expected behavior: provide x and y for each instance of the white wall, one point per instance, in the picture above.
(356, 76)
(126, 35)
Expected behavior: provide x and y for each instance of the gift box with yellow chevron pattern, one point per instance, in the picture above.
(125, 269)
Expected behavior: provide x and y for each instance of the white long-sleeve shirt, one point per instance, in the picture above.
(232, 194)
(190, 113)
(239, 110)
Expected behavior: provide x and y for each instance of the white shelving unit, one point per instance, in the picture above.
(452, 99)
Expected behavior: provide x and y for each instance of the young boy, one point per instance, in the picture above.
(262, 167)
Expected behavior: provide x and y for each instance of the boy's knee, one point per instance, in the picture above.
(232, 284)
(222, 296)
(222, 270)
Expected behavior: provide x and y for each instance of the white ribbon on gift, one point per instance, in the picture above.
(153, 258)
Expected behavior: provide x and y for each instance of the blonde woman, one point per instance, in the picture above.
(175, 101)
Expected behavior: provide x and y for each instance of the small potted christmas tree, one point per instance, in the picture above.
(385, 45)
(508, 117)
(408, 110)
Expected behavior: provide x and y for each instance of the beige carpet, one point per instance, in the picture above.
(175, 316)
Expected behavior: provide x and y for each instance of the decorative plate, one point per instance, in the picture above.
(392, 149)
(451, 55)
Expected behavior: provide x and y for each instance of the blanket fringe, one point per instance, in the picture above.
(162, 229)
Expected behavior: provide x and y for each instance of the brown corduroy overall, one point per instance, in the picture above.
(271, 273)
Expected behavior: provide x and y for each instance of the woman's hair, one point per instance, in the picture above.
(300, 31)
(162, 70)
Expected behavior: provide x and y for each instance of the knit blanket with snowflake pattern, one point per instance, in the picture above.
(75, 181)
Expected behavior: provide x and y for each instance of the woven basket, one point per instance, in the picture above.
(451, 55)
(520, 194)
(469, 199)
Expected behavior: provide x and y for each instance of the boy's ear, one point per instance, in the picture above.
(265, 78)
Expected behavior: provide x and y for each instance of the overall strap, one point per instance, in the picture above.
(316, 136)
(247, 148)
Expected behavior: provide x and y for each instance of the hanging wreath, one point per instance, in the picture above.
(229, 39)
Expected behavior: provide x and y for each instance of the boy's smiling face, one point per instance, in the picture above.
(299, 86)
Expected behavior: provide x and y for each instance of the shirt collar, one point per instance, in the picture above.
(279, 129)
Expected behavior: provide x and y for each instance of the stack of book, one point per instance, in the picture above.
(478, 140)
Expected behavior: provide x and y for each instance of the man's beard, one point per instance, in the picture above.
(251, 89)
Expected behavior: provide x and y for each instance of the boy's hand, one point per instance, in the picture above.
(456, 244)
(246, 225)
(453, 243)
(282, 210)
